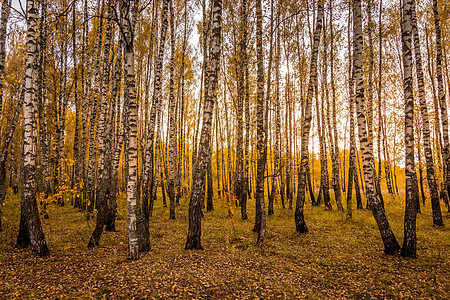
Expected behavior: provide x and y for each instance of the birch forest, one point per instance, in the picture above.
(302, 145)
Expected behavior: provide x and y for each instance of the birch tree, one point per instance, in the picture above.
(300, 223)
(31, 232)
(199, 175)
(391, 245)
(409, 241)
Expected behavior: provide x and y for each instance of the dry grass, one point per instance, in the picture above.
(338, 259)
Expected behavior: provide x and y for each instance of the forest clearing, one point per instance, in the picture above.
(337, 259)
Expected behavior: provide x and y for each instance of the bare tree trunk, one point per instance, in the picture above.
(28, 195)
(150, 166)
(268, 102)
(103, 177)
(172, 121)
(132, 205)
(441, 98)
(277, 154)
(260, 220)
(4, 16)
(200, 168)
(370, 26)
(240, 160)
(391, 245)
(95, 82)
(116, 148)
(352, 171)
(335, 151)
(300, 223)
(409, 241)
(321, 121)
(437, 216)
(379, 90)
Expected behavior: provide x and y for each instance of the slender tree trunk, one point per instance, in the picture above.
(28, 195)
(391, 245)
(335, 152)
(436, 208)
(132, 205)
(300, 223)
(200, 168)
(103, 176)
(84, 109)
(437, 122)
(95, 82)
(150, 166)
(321, 121)
(116, 148)
(370, 26)
(379, 90)
(409, 241)
(441, 98)
(277, 153)
(352, 155)
(172, 121)
(268, 102)
(260, 222)
(4, 16)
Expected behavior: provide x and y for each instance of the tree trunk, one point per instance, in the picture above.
(240, 160)
(150, 166)
(200, 168)
(128, 36)
(116, 148)
(436, 208)
(391, 245)
(4, 16)
(172, 121)
(321, 127)
(409, 241)
(352, 155)
(300, 223)
(95, 82)
(260, 222)
(103, 176)
(28, 195)
(335, 151)
(370, 26)
(268, 102)
(441, 98)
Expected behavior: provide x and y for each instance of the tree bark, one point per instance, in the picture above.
(335, 143)
(150, 166)
(194, 233)
(409, 241)
(28, 195)
(260, 221)
(172, 120)
(300, 223)
(4, 16)
(391, 245)
(128, 36)
(441, 98)
(436, 208)
(103, 176)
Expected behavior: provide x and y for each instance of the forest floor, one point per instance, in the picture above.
(337, 259)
